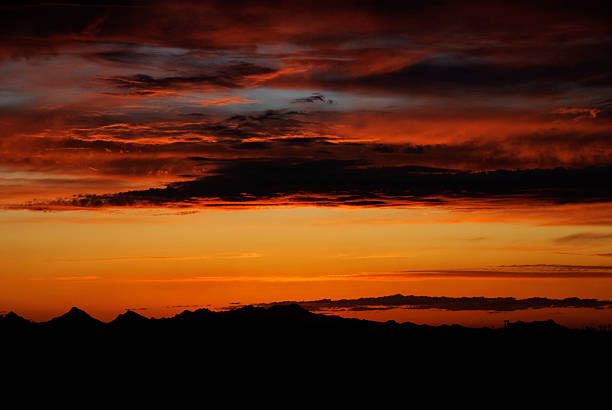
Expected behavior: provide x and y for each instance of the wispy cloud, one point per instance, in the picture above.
(585, 238)
(535, 271)
(226, 101)
(248, 255)
(76, 278)
(375, 256)
(508, 272)
(578, 112)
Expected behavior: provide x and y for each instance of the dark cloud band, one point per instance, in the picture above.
(337, 182)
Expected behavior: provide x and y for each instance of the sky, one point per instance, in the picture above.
(159, 155)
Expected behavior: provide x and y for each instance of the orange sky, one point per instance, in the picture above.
(159, 155)
(109, 261)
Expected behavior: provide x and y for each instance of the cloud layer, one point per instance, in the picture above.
(151, 103)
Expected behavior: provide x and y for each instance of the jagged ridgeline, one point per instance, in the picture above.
(291, 328)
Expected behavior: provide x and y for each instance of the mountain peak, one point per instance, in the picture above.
(13, 317)
(77, 313)
(75, 316)
(288, 309)
(129, 316)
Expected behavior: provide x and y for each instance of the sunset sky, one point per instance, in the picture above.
(170, 155)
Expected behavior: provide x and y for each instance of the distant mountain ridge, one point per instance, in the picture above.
(288, 313)
(289, 336)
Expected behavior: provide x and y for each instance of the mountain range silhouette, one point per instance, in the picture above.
(288, 338)
(276, 319)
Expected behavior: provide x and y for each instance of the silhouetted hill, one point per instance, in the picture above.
(537, 326)
(188, 315)
(74, 319)
(129, 318)
(13, 321)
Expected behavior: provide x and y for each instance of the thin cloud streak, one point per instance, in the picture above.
(503, 272)
(160, 258)
(500, 304)
(585, 238)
